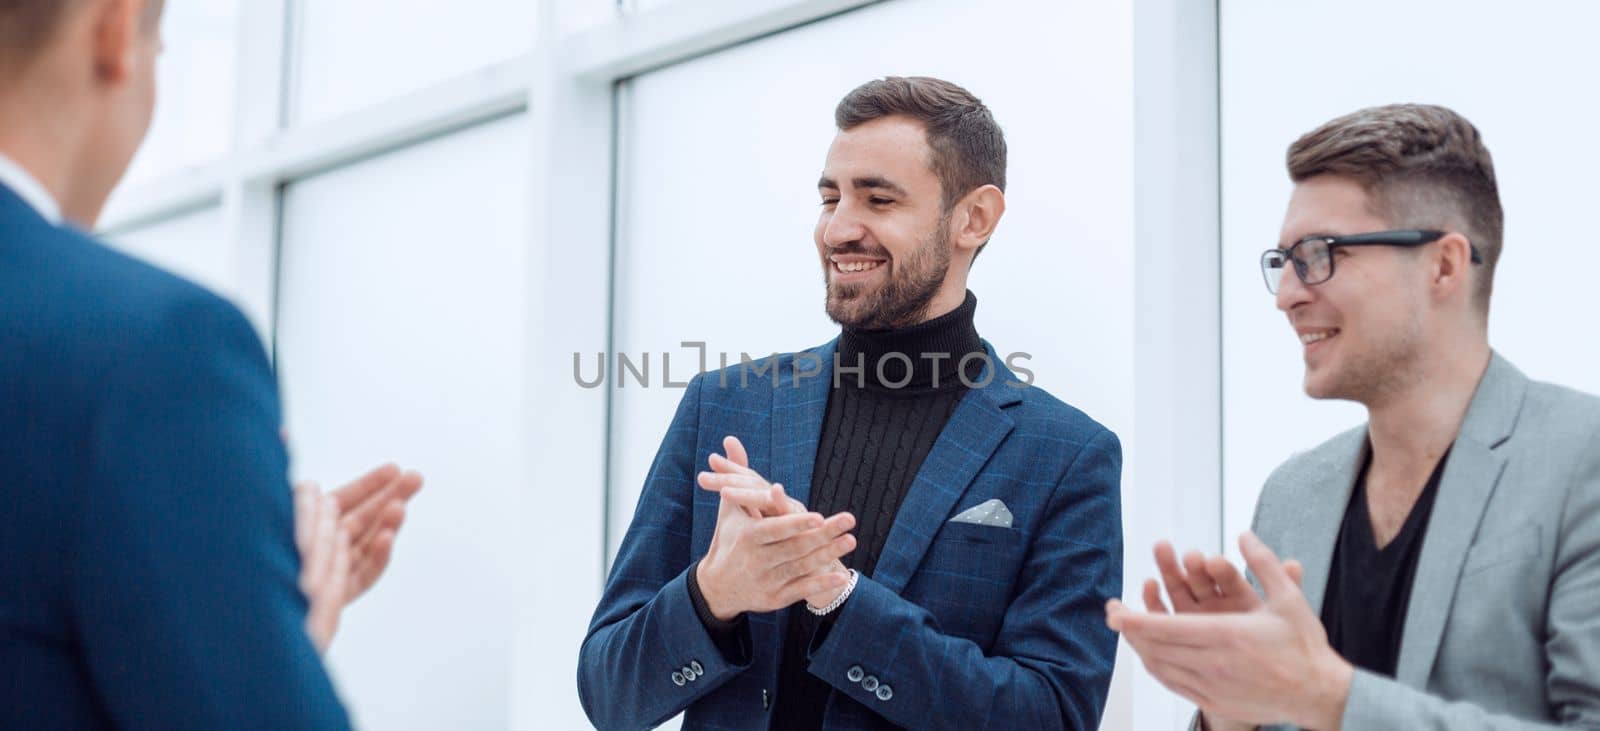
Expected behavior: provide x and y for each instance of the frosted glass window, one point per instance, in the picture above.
(191, 245)
(721, 158)
(580, 15)
(400, 337)
(354, 53)
(1521, 85)
(193, 122)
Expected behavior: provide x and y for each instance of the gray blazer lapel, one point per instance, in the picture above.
(797, 413)
(1469, 480)
(1317, 492)
(975, 430)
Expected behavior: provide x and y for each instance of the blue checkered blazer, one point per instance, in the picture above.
(966, 626)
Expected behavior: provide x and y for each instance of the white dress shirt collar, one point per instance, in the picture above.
(29, 189)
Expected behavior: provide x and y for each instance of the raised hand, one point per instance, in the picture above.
(1203, 585)
(371, 509)
(345, 539)
(734, 471)
(1269, 664)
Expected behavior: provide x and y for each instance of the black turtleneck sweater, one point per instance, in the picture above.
(878, 430)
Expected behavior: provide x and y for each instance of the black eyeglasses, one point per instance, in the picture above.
(1313, 255)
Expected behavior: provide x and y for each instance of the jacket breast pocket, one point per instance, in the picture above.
(1504, 547)
(967, 578)
(998, 537)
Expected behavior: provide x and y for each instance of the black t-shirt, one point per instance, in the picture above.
(1369, 589)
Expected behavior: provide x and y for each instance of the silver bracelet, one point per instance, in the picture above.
(838, 600)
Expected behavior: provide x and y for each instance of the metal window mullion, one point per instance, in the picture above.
(250, 210)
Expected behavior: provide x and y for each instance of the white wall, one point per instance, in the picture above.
(401, 309)
(193, 122)
(1520, 71)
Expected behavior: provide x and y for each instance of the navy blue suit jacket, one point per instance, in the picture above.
(968, 626)
(148, 575)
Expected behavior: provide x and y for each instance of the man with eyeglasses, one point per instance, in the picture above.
(1443, 563)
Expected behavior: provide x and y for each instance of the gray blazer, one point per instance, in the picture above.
(1503, 630)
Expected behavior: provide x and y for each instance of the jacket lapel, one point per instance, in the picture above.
(798, 407)
(1468, 482)
(974, 431)
(1319, 493)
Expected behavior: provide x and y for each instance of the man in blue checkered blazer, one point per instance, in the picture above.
(889, 530)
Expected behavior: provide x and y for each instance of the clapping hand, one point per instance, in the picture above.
(1243, 659)
(345, 539)
(767, 552)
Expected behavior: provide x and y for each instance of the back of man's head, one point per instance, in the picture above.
(1422, 166)
(77, 90)
(26, 29)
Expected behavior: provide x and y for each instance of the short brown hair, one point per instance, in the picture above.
(1422, 166)
(28, 26)
(969, 151)
(25, 28)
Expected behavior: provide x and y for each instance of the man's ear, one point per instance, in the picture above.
(1453, 265)
(115, 30)
(979, 214)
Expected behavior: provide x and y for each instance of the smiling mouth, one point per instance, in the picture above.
(1317, 336)
(855, 267)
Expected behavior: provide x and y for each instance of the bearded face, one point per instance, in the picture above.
(874, 290)
(883, 237)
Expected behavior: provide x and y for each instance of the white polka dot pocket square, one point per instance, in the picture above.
(991, 512)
